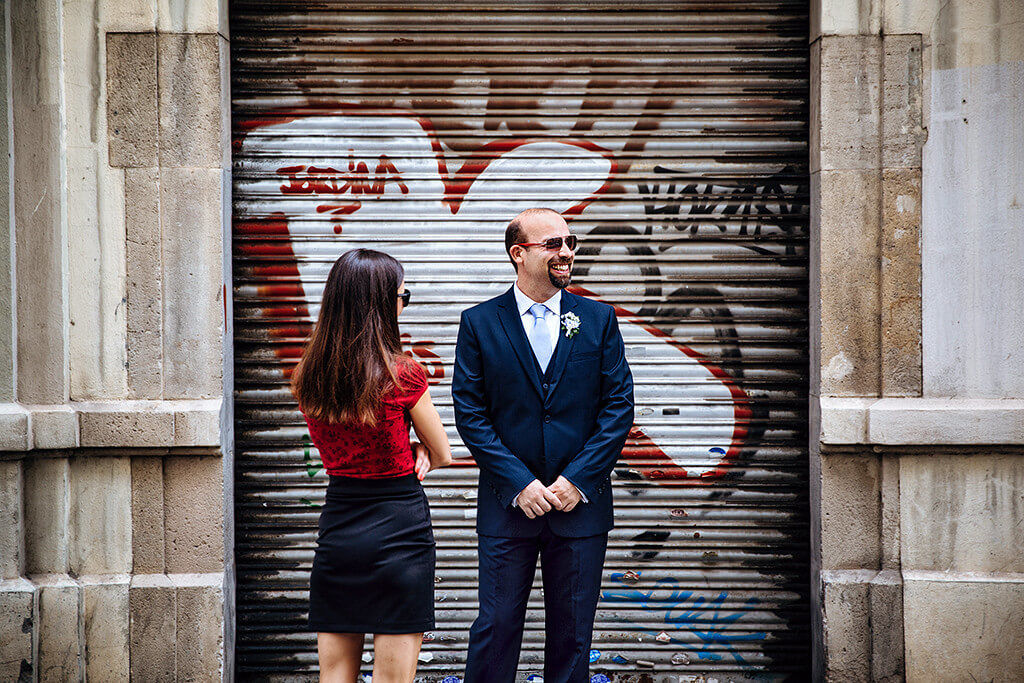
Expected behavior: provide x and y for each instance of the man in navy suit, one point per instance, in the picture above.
(543, 400)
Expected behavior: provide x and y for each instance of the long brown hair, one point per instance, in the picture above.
(348, 364)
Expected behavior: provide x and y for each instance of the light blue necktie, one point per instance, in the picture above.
(540, 338)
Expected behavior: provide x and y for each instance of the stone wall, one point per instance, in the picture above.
(917, 463)
(114, 348)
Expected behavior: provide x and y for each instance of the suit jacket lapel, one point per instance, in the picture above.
(564, 346)
(508, 314)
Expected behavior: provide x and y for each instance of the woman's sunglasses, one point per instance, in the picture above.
(554, 243)
(405, 296)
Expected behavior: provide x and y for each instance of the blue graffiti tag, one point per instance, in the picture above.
(685, 612)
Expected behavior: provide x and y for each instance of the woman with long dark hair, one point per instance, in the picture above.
(373, 571)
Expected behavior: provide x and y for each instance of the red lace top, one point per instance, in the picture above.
(351, 449)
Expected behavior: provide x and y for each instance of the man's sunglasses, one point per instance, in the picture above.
(554, 243)
(405, 296)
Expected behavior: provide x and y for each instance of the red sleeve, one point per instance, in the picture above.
(412, 383)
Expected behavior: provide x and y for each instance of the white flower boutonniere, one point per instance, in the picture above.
(570, 323)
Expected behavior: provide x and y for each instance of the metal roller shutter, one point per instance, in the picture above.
(673, 136)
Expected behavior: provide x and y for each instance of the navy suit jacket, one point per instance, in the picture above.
(521, 424)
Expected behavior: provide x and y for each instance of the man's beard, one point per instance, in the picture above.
(560, 281)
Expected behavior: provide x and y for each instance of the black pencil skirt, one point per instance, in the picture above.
(373, 571)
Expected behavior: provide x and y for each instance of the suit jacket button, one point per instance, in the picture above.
(546, 386)
(547, 418)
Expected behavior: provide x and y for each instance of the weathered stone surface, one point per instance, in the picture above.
(131, 424)
(105, 619)
(901, 421)
(194, 514)
(12, 520)
(848, 107)
(850, 512)
(7, 342)
(132, 117)
(147, 515)
(886, 598)
(46, 515)
(902, 96)
(17, 623)
(964, 627)
(847, 605)
(193, 311)
(39, 201)
(192, 16)
(153, 609)
(60, 645)
(901, 282)
(198, 424)
(844, 420)
(100, 515)
(15, 433)
(890, 512)
(191, 88)
(848, 249)
(133, 17)
(841, 17)
(53, 426)
(963, 513)
(200, 626)
(144, 283)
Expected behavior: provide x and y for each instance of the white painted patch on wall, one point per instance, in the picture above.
(839, 367)
(972, 234)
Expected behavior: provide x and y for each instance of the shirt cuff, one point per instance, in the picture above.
(582, 497)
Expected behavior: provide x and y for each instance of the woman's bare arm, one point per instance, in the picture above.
(427, 425)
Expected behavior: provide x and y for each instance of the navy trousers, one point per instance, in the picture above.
(571, 571)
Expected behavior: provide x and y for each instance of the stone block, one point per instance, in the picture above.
(901, 282)
(47, 490)
(101, 515)
(126, 424)
(198, 423)
(39, 181)
(144, 283)
(200, 626)
(841, 17)
(964, 627)
(18, 620)
(105, 626)
(847, 605)
(902, 97)
(193, 313)
(152, 610)
(962, 513)
(147, 515)
(194, 514)
(54, 426)
(96, 262)
(844, 420)
(890, 512)
(191, 87)
(886, 598)
(60, 646)
(850, 511)
(946, 421)
(132, 115)
(128, 17)
(848, 250)
(15, 434)
(848, 107)
(192, 16)
(12, 520)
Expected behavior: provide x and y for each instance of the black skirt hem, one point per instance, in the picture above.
(389, 630)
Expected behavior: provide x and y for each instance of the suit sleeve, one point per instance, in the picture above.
(588, 470)
(508, 472)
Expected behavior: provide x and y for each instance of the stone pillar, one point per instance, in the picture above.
(916, 380)
(113, 339)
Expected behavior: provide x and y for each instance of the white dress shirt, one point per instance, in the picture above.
(552, 317)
